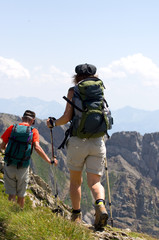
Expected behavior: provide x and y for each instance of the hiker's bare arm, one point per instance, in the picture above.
(42, 154)
(67, 116)
(2, 146)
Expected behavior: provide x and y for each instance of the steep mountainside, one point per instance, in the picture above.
(133, 164)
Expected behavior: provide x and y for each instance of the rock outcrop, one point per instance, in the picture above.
(133, 163)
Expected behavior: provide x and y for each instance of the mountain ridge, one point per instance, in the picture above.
(132, 119)
(42, 108)
(125, 119)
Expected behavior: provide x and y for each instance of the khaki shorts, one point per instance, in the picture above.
(16, 180)
(90, 152)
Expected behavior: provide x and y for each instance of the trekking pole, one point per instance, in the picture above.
(109, 198)
(53, 172)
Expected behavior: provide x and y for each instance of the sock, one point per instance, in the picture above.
(76, 211)
(99, 202)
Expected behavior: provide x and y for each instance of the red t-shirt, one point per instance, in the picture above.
(7, 133)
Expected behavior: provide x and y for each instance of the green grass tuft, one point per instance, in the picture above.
(35, 223)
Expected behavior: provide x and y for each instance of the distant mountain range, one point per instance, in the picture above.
(43, 109)
(125, 119)
(131, 119)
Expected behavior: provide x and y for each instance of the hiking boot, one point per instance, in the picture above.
(101, 216)
(76, 217)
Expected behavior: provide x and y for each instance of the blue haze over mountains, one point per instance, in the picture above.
(125, 119)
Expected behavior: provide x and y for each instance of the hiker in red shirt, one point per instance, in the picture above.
(18, 141)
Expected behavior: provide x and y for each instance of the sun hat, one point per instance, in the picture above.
(85, 69)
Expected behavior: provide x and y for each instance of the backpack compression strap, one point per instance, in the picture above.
(74, 105)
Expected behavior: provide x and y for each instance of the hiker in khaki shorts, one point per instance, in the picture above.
(81, 151)
(16, 169)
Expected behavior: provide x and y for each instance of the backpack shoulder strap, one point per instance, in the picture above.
(14, 128)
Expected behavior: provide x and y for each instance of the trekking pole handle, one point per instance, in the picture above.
(52, 121)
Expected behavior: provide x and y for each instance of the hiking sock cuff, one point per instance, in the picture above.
(76, 211)
(99, 201)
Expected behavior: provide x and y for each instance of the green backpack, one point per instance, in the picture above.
(90, 120)
(92, 117)
(19, 147)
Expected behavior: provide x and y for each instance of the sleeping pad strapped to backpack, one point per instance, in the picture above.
(19, 147)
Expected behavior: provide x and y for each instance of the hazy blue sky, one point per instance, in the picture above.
(41, 42)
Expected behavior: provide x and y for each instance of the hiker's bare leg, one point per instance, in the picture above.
(75, 188)
(95, 186)
(21, 201)
(12, 197)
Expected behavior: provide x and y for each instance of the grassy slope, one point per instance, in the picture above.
(41, 223)
(35, 224)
